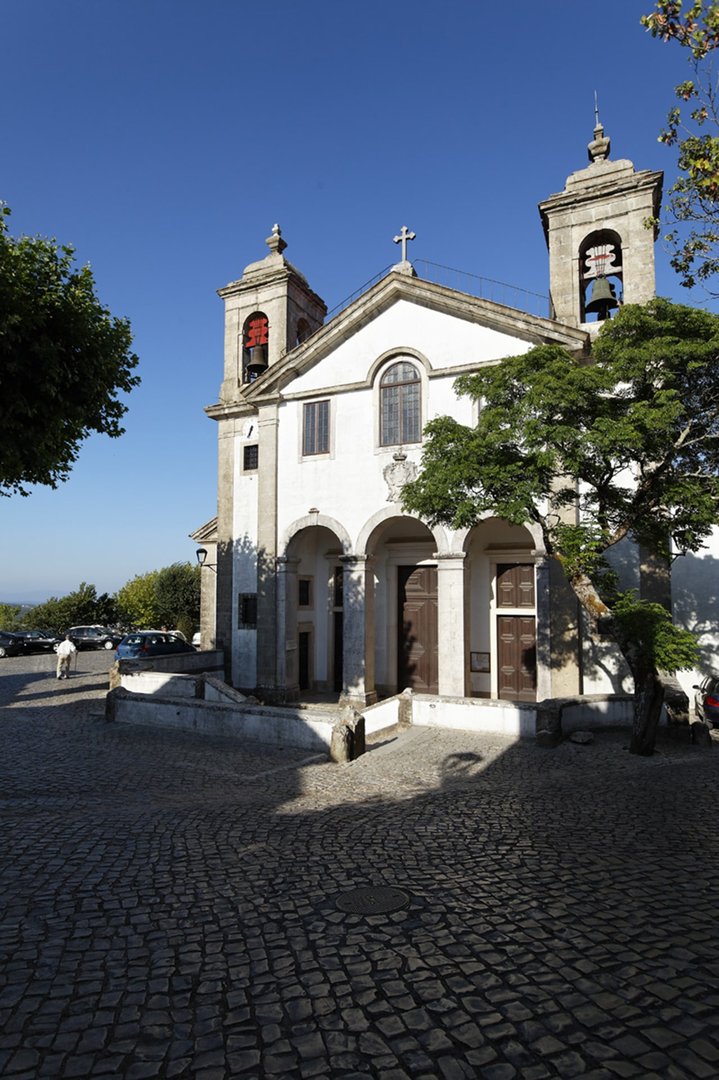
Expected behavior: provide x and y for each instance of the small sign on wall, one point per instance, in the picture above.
(479, 661)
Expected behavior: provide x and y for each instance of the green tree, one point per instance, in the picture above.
(692, 213)
(63, 361)
(178, 595)
(78, 608)
(554, 444)
(137, 601)
(9, 617)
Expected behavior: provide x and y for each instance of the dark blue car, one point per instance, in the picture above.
(143, 643)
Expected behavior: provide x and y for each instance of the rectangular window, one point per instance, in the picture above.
(316, 428)
(304, 598)
(338, 587)
(247, 611)
(250, 457)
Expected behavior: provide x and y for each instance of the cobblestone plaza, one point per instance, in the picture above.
(170, 902)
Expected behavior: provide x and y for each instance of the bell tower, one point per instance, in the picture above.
(267, 312)
(601, 253)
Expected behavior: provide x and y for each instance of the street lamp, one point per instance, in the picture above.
(201, 554)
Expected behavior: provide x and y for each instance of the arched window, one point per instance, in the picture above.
(303, 330)
(400, 393)
(255, 338)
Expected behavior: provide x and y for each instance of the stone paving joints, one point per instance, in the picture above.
(169, 903)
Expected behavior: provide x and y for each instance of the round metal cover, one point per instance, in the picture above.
(372, 900)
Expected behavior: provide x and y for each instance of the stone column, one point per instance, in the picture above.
(358, 641)
(267, 551)
(287, 660)
(451, 625)
(544, 636)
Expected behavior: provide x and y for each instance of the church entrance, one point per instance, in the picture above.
(417, 653)
(516, 633)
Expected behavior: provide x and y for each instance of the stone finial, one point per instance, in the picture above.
(599, 147)
(275, 242)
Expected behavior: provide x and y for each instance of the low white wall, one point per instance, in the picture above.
(471, 714)
(159, 682)
(384, 714)
(272, 727)
(591, 715)
(189, 663)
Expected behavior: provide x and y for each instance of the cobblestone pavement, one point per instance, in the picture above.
(169, 903)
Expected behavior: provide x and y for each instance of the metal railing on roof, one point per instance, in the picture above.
(484, 288)
(472, 284)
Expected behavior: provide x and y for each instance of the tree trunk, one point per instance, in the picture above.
(648, 688)
(648, 701)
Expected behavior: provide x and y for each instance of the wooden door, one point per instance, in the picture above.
(517, 657)
(516, 633)
(417, 653)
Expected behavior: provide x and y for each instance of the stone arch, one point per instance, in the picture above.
(312, 520)
(397, 353)
(465, 536)
(384, 515)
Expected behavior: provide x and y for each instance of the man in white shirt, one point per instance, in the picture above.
(65, 651)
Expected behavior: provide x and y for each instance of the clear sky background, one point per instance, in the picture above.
(163, 138)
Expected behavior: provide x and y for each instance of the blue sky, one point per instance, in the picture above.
(163, 138)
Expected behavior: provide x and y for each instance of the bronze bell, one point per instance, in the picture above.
(603, 299)
(257, 363)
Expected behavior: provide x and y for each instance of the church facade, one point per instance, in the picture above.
(322, 582)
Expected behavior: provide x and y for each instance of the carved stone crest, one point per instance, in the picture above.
(396, 475)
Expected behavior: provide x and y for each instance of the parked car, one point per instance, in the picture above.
(94, 637)
(10, 644)
(197, 639)
(706, 700)
(39, 640)
(143, 643)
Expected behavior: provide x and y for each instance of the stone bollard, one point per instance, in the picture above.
(115, 679)
(348, 737)
(354, 720)
(699, 734)
(549, 723)
(341, 744)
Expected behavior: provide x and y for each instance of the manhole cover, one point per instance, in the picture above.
(373, 900)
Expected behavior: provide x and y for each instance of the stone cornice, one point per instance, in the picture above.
(398, 286)
(607, 186)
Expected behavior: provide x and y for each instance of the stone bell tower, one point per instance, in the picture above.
(601, 252)
(267, 312)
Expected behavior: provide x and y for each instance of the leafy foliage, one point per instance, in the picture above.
(648, 628)
(178, 594)
(168, 597)
(9, 617)
(63, 361)
(692, 127)
(137, 601)
(78, 608)
(626, 446)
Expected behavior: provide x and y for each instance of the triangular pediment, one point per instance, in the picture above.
(375, 316)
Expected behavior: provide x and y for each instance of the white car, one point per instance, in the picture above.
(196, 639)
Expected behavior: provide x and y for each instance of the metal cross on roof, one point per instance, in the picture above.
(402, 239)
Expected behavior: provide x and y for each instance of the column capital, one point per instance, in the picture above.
(285, 565)
(449, 556)
(355, 560)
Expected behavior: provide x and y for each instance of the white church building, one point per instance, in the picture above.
(316, 580)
